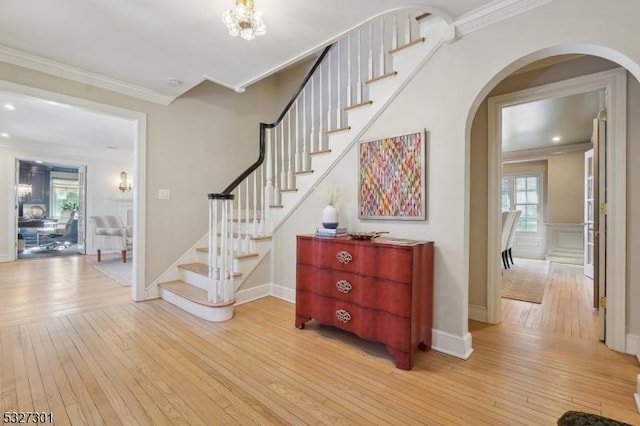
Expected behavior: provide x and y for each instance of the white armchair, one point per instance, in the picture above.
(109, 233)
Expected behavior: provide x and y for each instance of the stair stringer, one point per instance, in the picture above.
(407, 64)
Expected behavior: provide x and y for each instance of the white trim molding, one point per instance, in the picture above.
(37, 63)
(633, 345)
(492, 13)
(458, 346)
(614, 81)
(478, 313)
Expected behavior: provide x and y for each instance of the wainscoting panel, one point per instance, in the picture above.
(565, 243)
(528, 246)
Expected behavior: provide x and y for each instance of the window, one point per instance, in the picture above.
(64, 194)
(522, 192)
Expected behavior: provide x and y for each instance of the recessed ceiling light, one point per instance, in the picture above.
(112, 147)
(10, 107)
(556, 139)
(39, 161)
(5, 135)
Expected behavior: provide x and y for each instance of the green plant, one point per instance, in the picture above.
(69, 205)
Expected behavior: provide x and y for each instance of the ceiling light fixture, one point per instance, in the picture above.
(10, 107)
(4, 135)
(244, 21)
(556, 139)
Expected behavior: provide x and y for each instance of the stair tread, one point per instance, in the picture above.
(382, 77)
(192, 293)
(235, 253)
(251, 237)
(361, 104)
(406, 46)
(324, 151)
(338, 130)
(201, 269)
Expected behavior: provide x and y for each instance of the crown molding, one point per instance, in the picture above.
(494, 12)
(58, 69)
(545, 152)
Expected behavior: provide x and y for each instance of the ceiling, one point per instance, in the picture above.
(145, 43)
(554, 122)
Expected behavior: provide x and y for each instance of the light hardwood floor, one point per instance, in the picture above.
(106, 360)
(566, 308)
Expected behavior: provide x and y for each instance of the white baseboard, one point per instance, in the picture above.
(6, 258)
(478, 313)
(453, 345)
(633, 345)
(258, 292)
(636, 396)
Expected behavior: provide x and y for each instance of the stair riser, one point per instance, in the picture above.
(207, 313)
(195, 279)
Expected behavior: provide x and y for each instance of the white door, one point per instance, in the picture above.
(81, 213)
(589, 210)
(599, 216)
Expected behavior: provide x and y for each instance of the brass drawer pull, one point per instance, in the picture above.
(344, 286)
(343, 316)
(344, 257)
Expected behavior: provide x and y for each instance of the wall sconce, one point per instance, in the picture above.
(124, 186)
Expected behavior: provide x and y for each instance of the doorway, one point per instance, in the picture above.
(614, 83)
(98, 149)
(48, 201)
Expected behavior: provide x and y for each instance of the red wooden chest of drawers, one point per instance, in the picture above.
(380, 290)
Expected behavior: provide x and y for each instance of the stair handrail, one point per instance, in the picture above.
(264, 126)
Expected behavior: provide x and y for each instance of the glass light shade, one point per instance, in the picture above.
(242, 20)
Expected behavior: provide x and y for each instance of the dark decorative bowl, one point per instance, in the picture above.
(365, 235)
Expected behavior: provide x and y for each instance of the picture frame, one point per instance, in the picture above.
(392, 177)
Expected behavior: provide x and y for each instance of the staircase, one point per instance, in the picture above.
(349, 86)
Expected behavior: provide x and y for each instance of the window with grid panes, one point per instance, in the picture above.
(522, 192)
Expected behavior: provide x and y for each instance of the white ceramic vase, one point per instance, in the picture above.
(330, 217)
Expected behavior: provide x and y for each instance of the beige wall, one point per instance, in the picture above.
(633, 206)
(478, 161)
(565, 189)
(195, 146)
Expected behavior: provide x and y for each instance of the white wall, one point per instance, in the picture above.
(443, 99)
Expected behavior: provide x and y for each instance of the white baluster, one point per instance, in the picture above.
(407, 30)
(283, 165)
(247, 222)
(239, 208)
(305, 152)
(298, 153)
(290, 154)
(228, 283)
(329, 87)
(349, 100)
(263, 209)
(270, 164)
(338, 88)
(394, 33)
(254, 220)
(312, 140)
(359, 56)
(382, 67)
(370, 58)
(320, 112)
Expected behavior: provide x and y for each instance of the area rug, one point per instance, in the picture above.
(113, 268)
(578, 418)
(526, 280)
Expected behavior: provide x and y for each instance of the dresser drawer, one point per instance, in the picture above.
(361, 257)
(366, 292)
(370, 324)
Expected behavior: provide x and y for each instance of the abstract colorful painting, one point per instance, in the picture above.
(392, 178)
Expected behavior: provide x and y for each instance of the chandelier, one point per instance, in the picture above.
(244, 21)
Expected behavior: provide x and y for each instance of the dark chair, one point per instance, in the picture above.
(56, 229)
